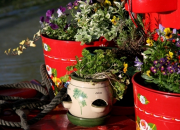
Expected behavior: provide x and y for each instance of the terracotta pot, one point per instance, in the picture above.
(155, 109)
(59, 54)
(83, 92)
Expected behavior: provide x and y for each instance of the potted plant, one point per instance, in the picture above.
(101, 19)
(156, 86)
(57, 32)
(99, 78)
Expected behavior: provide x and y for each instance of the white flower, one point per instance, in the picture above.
(31, 43)
(120, 76)
(108, 15)
(59, 12)
(49, 70)
(45, 47)
(142, 99)
(144, 125)
(144, 56)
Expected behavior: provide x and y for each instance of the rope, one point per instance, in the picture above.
(46, 102)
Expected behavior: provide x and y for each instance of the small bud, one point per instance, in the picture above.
(19, 52)
(31, 43)
(9, 50)
(22, 43)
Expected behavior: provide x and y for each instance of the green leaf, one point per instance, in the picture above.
(138, 119)
(152, 126)
(138, 96)
(54, 72)
(147, 52)
(147, 77)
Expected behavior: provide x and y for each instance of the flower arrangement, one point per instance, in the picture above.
(107, 19)
(56, 25)
(86, 21)
(101, 64)
(161, 62)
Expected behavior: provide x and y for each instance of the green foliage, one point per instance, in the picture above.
(161, 63)
(112, 22)
(103, 64)
(67, 26)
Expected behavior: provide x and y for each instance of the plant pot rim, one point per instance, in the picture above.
(75, 77)
(42, 35)
(153, 90)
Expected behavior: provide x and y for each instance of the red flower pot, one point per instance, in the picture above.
(151, 6)
(59, 54)
(155, 109)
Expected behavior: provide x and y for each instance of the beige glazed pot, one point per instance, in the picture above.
(84, 93)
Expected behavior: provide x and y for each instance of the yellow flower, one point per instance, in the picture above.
(149, 42)
(168, 33)
(56, 80)
(22, 43)
(78, 20)
(125, 67)
(75, 7)
(31, 43)
(107, 3)
(170, 55)
(148, 73)
(114, 20)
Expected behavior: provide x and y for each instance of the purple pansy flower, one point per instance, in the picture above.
(66, 27)
(49, 13)
(42, 19)
(162, 61)
(162, 68)
(178, 66)
(175, 66)
(174, 31)
(153, 69)
(61, 11)
(70, 5)
(76, 2)
(171, 69)
(161, 29)
(164, 72)
(178, 43)
(178, 71)
(167, 62)
(47, 20)
(53, 26)
(138, 64)
(155, 62)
